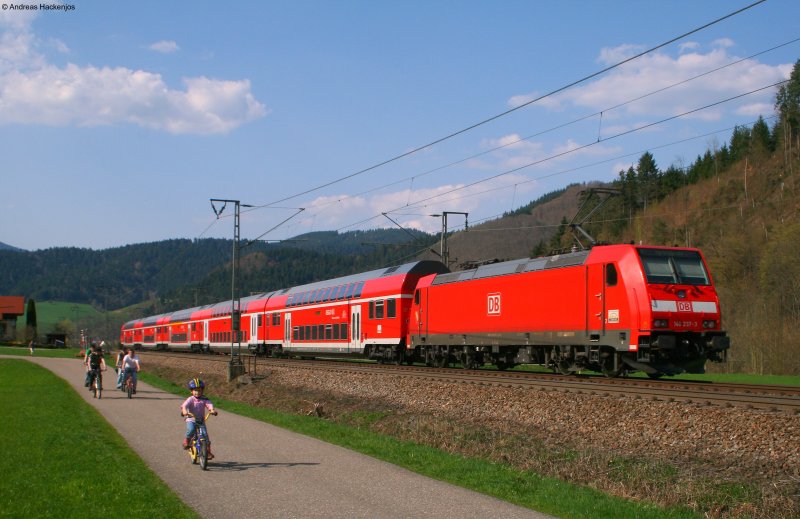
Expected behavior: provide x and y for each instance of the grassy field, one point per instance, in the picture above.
(62, 459)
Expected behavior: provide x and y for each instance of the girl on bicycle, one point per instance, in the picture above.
(196, 406)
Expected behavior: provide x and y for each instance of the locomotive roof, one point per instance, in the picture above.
(514, 267)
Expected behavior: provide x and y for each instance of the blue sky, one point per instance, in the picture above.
(120, 120)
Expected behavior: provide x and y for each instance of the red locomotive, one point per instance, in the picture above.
(611, 309)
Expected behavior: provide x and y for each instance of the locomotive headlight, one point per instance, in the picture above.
(660, 323)
(710, 324)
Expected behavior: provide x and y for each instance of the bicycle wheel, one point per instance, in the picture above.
(129, 388)
(203, 455)
(193, 449)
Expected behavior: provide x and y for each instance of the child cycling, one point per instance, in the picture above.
(196, 406)
(96, 364)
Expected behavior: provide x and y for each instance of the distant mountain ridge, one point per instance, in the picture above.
(5, 246)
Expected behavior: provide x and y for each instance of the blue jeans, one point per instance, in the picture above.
(129, 372)
(191, 426)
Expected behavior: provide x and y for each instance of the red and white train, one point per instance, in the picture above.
(611, 309)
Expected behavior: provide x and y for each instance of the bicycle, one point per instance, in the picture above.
(127, 385)
(96, 384)
(198, 443)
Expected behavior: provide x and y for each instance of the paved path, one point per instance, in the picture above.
(264, 471)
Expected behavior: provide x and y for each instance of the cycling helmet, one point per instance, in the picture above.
(196, 383)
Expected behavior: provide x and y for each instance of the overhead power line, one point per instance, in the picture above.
(511, 110)
(412, 178)
(568, 152)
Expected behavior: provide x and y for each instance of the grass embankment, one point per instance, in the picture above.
(60, 458)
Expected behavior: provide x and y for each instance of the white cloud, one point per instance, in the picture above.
(33, 91)
(165, 46)
(657, 71)
(411, 208)
(609, 56)
(723, 42)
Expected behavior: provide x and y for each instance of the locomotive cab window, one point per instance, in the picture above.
(611, 275)
(676, 267)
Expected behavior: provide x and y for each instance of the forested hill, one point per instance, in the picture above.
(5, 246)
(186, 271)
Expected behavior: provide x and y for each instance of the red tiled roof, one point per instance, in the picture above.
(14, 305)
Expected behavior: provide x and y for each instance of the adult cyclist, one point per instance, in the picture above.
(130, 366)
(96, 364)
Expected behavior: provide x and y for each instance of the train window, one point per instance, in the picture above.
(372, 309)
(338, 292)
(276, 319)
(328, 332)
(296, 333)
(391, 308)
(359, 288)
(670, 266)
(308, 332)
(314, 335)
(321, 331)
(611, 275)
(379, 309)
(416, 297)
(343, 331)
(350, 288)
(260, 320)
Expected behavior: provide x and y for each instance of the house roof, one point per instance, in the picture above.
(12, 305)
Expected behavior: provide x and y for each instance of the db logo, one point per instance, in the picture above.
(493, 304)
(684, 306)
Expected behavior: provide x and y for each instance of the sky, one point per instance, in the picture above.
(120, 121)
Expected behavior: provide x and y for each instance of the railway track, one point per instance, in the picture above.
(784, 399)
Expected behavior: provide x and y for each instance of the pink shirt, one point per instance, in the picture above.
(197, 406)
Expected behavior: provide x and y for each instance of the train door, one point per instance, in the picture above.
(595, 302)
(420, 309)
(355, 328)
(205, 331)
(287, 331)
(255, 319)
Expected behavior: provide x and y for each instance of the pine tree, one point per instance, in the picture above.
(787, 103)
(30, 321)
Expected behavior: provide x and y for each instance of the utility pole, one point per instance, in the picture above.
(105, 289)
(77, 312)
(444, 252)
(235, 367)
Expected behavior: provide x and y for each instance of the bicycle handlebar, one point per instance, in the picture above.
(191, 415)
